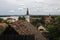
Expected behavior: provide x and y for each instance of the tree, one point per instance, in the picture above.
(54, 32)
(58, 19)
(21, 18)
(1, 19)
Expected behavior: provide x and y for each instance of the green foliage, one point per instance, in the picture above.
(1, 19)
(21, 18)
(50, 27)
(54, 32)
(37, 21)
(58, 18)
(1, 29)
(8, 23)
(54, 29)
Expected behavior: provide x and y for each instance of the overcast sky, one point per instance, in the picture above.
(36, 7)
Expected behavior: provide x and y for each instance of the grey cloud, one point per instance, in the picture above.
(35, 7)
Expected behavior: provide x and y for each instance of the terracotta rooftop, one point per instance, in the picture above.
(26, 28)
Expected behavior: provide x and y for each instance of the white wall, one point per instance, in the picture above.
(27, 18)
(9, 17)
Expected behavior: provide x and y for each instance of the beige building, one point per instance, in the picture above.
(47, 19)
(42, 29)
(10, 20)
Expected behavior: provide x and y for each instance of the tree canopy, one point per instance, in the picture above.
(1, 19)
(21, 18)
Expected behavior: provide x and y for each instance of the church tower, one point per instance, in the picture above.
(27, 17)
(27, 12)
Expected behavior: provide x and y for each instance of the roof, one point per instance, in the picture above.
(26, 28)
(3, 27)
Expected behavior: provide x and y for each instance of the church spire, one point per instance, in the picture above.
(49, 14)
(27, 17)
(27, 12)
